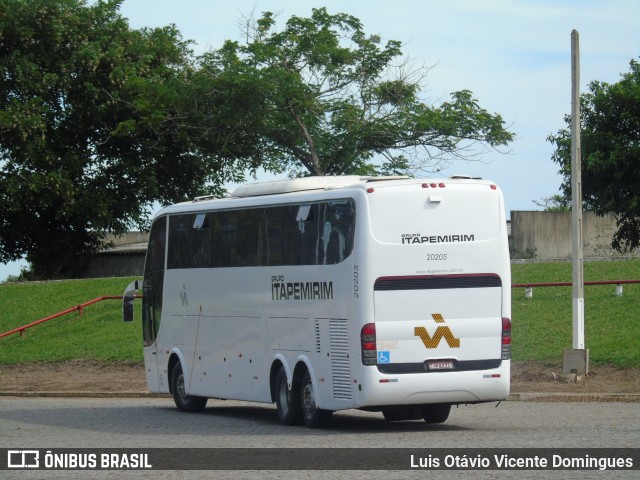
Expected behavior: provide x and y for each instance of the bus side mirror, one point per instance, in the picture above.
(128, 301)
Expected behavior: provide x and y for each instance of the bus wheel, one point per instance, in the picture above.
(436, 413)
(184, 402)
(287, 401)
(312, 415)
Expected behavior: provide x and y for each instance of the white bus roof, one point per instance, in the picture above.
(300, 185)
(303, 184)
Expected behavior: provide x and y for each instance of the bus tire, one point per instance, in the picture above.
(287, 401)
(436, 413)
(312, 415)
(184, 402)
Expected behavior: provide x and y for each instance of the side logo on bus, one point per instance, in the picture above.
(441, 332)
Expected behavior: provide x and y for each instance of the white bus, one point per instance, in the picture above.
(330, 293)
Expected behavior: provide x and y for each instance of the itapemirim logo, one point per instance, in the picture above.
(440, 333)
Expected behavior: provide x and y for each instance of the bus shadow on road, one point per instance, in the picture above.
(348, 421)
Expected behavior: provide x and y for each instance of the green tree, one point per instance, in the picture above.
(321, 97)
(90, 129)
(610, 138)
(554, 203)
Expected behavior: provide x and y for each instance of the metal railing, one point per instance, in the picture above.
(528, 287)
(77, 308)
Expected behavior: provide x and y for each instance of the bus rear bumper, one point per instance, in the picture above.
(378, 390)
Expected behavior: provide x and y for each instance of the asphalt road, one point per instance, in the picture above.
(155, 423)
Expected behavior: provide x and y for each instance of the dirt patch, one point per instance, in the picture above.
(91, 376)
(541, 377)
(73, 376)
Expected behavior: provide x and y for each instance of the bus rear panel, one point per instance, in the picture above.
(440, 279)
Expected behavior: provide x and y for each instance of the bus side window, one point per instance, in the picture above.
(332, 245)
(281, 229)
(248, 241)
(307, 232)
(337, 232)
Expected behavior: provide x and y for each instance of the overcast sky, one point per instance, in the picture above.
(515, 56)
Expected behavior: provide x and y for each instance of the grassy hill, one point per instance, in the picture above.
(99, 333)
(542, 325)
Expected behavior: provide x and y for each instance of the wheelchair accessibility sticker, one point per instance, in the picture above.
(384, 357)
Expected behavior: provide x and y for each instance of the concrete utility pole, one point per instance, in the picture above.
(576, 361)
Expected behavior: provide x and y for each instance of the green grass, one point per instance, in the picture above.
(99, 333)
(542, 325)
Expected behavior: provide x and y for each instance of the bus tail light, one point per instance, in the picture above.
(368, 343)
(506, 338)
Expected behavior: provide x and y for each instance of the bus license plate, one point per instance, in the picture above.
(441, 365)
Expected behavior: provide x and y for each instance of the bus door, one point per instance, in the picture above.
(152, 287)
